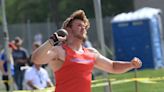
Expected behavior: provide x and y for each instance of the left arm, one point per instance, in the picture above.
(116, 67)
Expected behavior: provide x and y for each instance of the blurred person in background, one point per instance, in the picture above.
(38, 38)
(20, 56)
(87, 43)
(36, 77)
(4, 66)
(71, 62)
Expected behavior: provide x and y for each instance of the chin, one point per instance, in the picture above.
(84, 39)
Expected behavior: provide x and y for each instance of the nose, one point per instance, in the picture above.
(82, 26)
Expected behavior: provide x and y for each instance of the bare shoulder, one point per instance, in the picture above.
(57, 48)
(60, 50)
(58, 54)
(98, 55)
(56, 51)
(93, 50)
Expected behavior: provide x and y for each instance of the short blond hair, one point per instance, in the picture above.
(79, 14)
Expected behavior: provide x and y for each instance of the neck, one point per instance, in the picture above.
(76, 45)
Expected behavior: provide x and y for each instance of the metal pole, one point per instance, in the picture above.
(99, 25)
(136, 82)
(48, 27)
(6, 40)
(29, 35)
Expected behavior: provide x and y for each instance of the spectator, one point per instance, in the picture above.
(4, 68)
(38, 38)
(20, 56)
(40, 78)
(87, 43)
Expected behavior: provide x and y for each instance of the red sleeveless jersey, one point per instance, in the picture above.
(75, 74)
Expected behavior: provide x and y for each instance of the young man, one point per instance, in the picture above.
(20, 56)
(71, 62)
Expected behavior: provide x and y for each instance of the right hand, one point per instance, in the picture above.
(59, 36)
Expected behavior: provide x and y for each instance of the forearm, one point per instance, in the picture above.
(32, 86)
(121, 67)
(39, 55)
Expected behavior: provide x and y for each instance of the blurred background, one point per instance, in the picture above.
(129, 28)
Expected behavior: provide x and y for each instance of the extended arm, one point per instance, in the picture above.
(116, 67)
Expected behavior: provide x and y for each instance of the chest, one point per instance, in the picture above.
(18, 54)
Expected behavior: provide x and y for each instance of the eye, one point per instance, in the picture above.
(83, 26)
(79, 25)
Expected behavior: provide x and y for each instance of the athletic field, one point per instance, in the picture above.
(146, 81)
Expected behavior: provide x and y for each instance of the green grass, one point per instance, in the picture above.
(158, 86)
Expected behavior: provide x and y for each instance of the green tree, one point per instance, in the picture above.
(57, 10)
(113, 7)
(21, 10)
(61, 9)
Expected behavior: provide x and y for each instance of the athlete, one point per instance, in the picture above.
(71, 62)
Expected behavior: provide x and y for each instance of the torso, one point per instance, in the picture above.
(57, 63)
(75, 69)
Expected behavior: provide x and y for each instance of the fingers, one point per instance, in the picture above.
(57, 37)
(136, 62)
(61, 38)
(61, 34)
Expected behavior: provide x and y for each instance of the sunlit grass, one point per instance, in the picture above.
(155, 84)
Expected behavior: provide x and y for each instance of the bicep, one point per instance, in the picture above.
(52, 55)
(104, 63)
(49, 56)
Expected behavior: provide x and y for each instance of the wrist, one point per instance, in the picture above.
(53, 40)
(132, 65)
